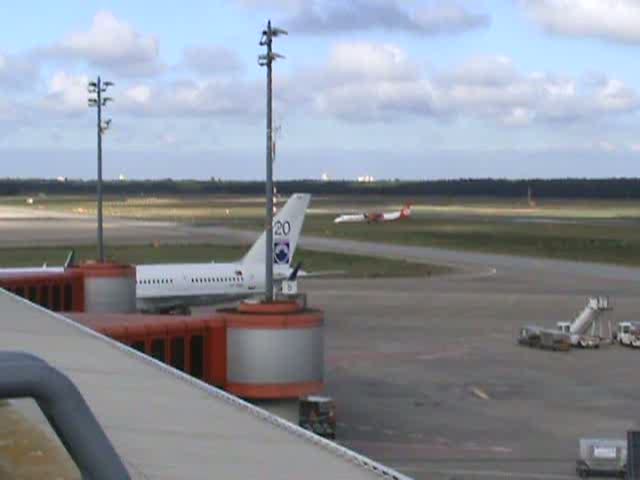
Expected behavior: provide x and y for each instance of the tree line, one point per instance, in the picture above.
(606, 188)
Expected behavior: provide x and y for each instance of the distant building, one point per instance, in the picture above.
(366, 179)
(61, 179)
(122, 178)
(325, 177)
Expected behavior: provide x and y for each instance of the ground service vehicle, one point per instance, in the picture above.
(600, 456)
(537, 337)
(628, 334)
(582, 340)
(588, 329)
(318, 415)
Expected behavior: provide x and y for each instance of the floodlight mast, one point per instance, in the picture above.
(98, 88)
(266, 60)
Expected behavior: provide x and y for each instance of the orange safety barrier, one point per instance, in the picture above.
(63, 291)
(308, 319)
(276, 315)
(195, 345)
(273, 391)
(199, 345)
(268, 308)
(106, 270)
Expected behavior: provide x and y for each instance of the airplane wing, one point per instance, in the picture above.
(69, 262)
(323, 273)
(297, 272)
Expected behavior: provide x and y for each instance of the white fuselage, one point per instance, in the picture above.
(7, 272)
(392, 216)
(373, 217)
(165, 287)
(358, 218)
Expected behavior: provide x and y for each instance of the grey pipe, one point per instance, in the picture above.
(25, 375)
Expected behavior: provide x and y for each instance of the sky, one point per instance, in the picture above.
(408, 89)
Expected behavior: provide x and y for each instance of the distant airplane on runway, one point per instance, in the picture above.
(375, 217)
(167, 287)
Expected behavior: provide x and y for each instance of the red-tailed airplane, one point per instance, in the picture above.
(375, 217)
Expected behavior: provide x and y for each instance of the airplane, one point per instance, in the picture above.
(170, 287)
(162, 288)
(38, 270)
(375, 217)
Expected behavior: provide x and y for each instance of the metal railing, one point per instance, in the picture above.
(25, 375)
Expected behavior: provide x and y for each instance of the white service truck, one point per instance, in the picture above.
(601, 457)
(628, 334)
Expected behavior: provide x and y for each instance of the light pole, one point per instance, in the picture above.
(98, 88)
(274, 151)
(266, 60)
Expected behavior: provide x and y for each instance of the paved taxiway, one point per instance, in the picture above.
(409, 360)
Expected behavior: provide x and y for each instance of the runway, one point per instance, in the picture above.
(26, 227)
(426, 372)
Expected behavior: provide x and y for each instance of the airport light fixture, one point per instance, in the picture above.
(96, 89)
(266, 60)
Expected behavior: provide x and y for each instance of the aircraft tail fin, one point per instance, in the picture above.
(71, 259)
(406, 211)
(287, 225)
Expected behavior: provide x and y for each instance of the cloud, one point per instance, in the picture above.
(518, 117)
(615, 20)
(378, 82)
(366, 81)
(449, 18)
(138, 95)
(272, 4)
(489, 70)
(17, 72)
(515, 98)
(111, 43)
(615, 95)
(357, 15)
(373, 61)
(212, 60)
(606, 146)
(67, 94)
(188, 98)
(8, 110)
